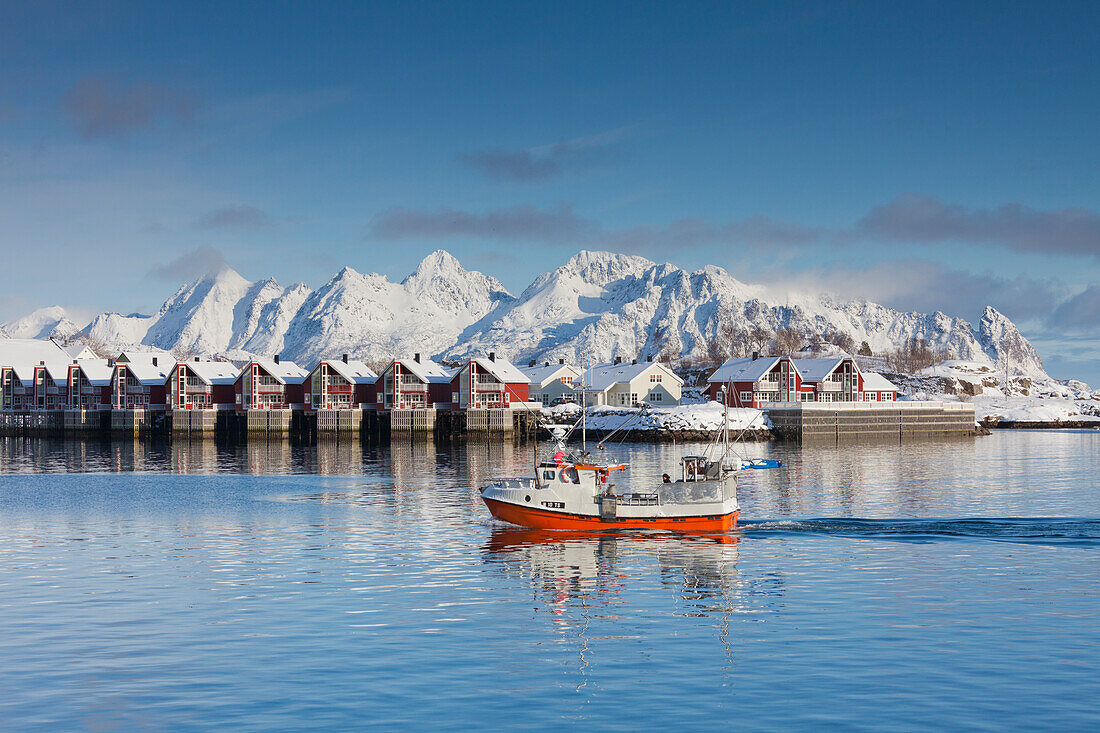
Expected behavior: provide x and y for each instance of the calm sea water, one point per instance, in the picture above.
(933, 585)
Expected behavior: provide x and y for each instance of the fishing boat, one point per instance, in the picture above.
(575, 491)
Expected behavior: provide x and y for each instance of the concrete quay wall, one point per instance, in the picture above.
(831, 421)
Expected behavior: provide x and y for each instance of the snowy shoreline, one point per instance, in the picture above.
(1028, 401)
(698, 422)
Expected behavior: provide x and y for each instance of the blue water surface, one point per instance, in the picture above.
(923, 586)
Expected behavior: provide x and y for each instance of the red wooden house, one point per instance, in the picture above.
(269, 384)
(138, 381)
(340, 385)
(828, 379)
(753, 382)
(757, 381)
(202, 385)
(89, 382)
(877, 388)
(491, 382)
(34, 373)
(418, 383)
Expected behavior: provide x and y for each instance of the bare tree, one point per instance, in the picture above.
(98, 346)
(182, 354)
(817, 344)
(758, 338)
(787, 341)
(376, 364)
(913, 355)
(842, 340)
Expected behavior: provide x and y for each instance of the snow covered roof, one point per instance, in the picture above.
(814, 370)
(286, 372)
(213, 372)
(78, 351)
(28, 352)
(59, 373)
(146, 357)
(543, 375)
(97, 371)
(744, 369)
(427, 370)
(355, 372)
(603, 376)
(875, 382)
(147, 373)
(504, 370)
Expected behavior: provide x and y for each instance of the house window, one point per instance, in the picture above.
(888, 396)
(633, 398)
(746, 396)
(654, 377)
(655, 396)
(873, 396)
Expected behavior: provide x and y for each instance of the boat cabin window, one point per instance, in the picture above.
(548, 475)
(570, 476)
(695, 468)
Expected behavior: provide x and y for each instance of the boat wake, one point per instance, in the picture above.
(1059, 531)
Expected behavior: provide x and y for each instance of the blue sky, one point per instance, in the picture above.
(929, 156)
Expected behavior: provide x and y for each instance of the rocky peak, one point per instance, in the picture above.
(1003, 342)
(440, 263)
(602, 268)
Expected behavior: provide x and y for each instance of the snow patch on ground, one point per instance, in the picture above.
(700, 417)
(1027, 398)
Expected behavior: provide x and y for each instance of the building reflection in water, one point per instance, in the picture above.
(579, 578)
(193, 456)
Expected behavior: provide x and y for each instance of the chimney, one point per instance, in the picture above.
(416, 357)
(532, 363)
(561, 361)
(546, 364)
(75, 361)
(492, 356)
(649, 358)
(618, 360)
(42, 363)
(633, 361)
(154, 361)
(345, 358)
(276, 358)
(196, 359)
(755, 355)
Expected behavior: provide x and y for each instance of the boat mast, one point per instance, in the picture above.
(584, 405)
(725, 425)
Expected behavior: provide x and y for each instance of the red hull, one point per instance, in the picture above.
(544, 519)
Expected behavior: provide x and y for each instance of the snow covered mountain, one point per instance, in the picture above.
(370, 317)
(598, 305)
(44, 323)
(601, 305)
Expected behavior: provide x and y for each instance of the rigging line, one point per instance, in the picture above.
(637, 416)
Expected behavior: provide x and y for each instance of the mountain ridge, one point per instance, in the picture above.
(597, 305)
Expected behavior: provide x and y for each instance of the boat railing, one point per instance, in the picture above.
(514, 483)
(693, 492)
(639, 499)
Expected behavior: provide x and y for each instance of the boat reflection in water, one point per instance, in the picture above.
(599, 585)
